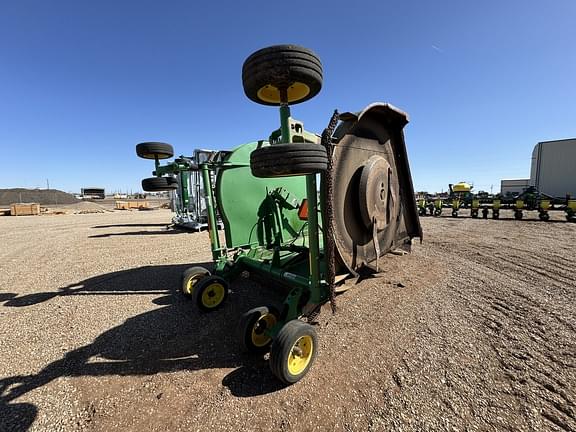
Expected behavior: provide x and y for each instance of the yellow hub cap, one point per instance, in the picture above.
(300, 355)
(259, 337)
(213, 295)
(271, 94)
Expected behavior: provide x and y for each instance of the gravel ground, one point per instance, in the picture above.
(475, 330)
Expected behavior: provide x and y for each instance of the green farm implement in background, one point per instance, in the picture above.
(304, 211)
(183, 179)
(461, 196)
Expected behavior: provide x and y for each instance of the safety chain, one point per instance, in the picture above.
(311, 317)
(330, 247)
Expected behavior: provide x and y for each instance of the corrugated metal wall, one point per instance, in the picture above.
(553, 170)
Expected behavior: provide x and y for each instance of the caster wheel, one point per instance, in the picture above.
(253, 326)
(191, 277)
(293, 351)
(159, 184)
(153, 150)
(544, 217)
(292, 69)
(283, 160)
(210, 292)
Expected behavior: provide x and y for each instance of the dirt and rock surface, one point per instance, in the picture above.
(475, 330)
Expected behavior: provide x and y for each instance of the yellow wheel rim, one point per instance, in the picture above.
(213, 295)
(271, 94)
(300, 355)
(259, 336)
(189, 287)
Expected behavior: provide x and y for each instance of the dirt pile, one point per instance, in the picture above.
(41, 196)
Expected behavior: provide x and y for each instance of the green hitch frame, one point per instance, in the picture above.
(210, 209)
(184, 182)
(313, 284)
(314, 247)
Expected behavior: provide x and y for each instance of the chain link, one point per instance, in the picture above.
(330, 247)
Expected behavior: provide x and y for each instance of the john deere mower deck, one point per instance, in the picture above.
(281, 224)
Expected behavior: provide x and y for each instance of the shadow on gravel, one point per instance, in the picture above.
(7, 296)
(139, 233)
(252, 380)
(132, 225)
(143, 280)
(17, 417)
(173, 337)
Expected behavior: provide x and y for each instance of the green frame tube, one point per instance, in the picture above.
(285, 123)
(211, 210)
(314, 246)
(185, 193)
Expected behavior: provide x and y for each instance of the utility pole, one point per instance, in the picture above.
(47, 184)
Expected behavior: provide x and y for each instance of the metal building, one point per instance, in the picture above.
(93, 193)
(514, 187)
(553, 169)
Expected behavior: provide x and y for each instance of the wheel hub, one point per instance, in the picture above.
(259, 336)
(300, 355)
(376, 197)
(271, 93)
(213, 295)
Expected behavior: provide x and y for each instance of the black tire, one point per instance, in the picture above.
(485, 213)
(544, 216)
(292, 67)
(495, 215)
(474, 214)
(159, 184)
(284, 160)
(153, 150)
(283, 348)
(253, 324)
(437, 212)
(454, 213)
(190, 278)
(210, 293)
(518, 215)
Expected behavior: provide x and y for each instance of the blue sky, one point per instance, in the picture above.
(82, 82)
